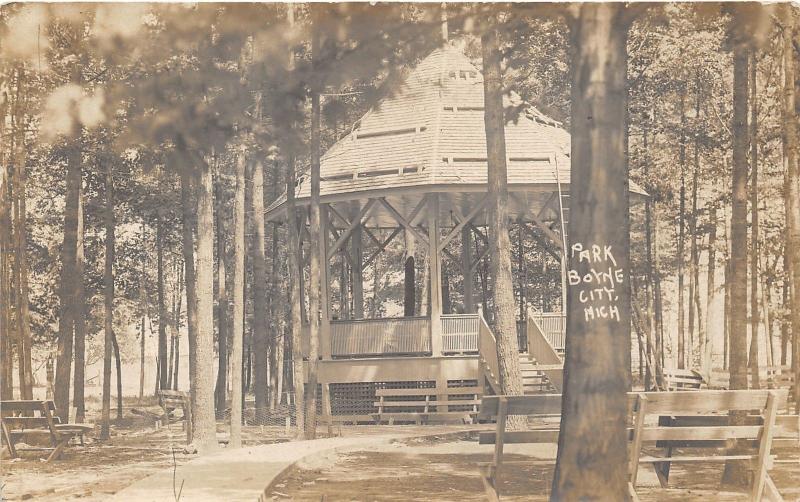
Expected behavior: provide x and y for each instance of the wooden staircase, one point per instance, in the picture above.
(534, 376)
(542, 367)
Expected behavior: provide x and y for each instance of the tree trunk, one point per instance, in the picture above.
(754, 314)
(736, 472)
(21, 233)
(108, 279)
(187, 207)
(237, 337)
(143, 307)
(696, 312)
(222, 308)
(706, 345)
(505, 325)
(203, 412)
(409, 287)
(294, 259)
(652, 325)
(276, 337)
(68, 280)
(682, 232)
(787, 283)
(592, 444)
(176, 321)
(260, 348)
(6, 359)
(80, 326)
(163, 382)
(792, 194)
(315, 238)
(118, 363)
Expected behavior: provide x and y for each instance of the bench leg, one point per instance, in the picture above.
(7, 436)
(771, 492)
(58, 450)
(488, 479)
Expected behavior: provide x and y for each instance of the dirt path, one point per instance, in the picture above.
(446, 470)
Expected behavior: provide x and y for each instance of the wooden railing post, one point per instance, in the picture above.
(434, 259)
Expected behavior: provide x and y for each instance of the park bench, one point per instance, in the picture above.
(171, 400)
(690, 420)
(431, 405)
(679, 413)
(681, 379)
(34, 423)
(499, 408)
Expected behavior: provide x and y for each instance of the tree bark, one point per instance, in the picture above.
(505, 325)
(260, 345)
(736, 472)
(315, 238)
(222, 307)
(80, 325)
(108, 279)
(294, 258)
(118, 363)
(682, 232)
(21, 233)
(237, 337)
(163, 382)
(68, 290)
(754, 314)
(143, 307)
(792, 194)
(409, 287)
(696, 313)
(707, 346)
(203, 413)
(187, 207)
(6, 354)
(592, 444)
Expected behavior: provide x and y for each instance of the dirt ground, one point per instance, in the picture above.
(447, 470)
(99, 469)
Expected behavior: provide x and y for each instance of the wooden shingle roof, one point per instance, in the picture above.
(429, 136)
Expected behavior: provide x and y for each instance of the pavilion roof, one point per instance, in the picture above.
(428, 135)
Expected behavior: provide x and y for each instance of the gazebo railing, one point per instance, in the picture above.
(459, 333)
(374, 337)
(411, 335)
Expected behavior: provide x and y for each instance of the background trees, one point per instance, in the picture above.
(83, 92)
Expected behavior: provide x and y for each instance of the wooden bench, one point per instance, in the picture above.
(499, 408)
(35, 421)
(699, 420)
(171, 400)
(679, 414)
(427, 406)
(678, 379)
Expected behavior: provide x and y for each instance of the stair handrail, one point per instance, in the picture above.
(540, 348)
(487, 350)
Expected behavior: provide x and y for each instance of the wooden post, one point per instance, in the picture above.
(325, 287)
(466, 269)
(434, 259)
(357, 256)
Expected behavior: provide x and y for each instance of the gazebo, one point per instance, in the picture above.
(415, 165)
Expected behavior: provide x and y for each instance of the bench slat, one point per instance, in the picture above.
(519, 437)
(709, 401)
(427, 392)
(545, 404)
(398, 404)
(714, 433)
